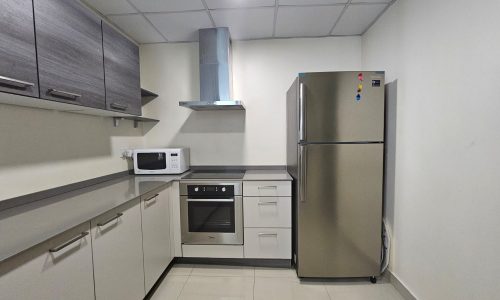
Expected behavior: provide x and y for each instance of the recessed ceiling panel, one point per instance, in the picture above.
(180, 27)
(246, 23)
(111, 6)
(306, 21)
(212, 4)
(357, 18)
(138, 28)
(167, 5)
(311, 2)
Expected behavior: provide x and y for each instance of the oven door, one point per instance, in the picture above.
(212, 221)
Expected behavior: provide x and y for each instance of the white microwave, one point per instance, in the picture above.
(161, 161)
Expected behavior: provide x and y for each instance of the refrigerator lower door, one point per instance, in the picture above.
(339, 210)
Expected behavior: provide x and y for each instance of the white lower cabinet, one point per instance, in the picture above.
(267, 209)
(275, 243)
(118, 255)
(60, 268)
(156, 234)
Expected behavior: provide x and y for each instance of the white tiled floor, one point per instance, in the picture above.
(204, 282)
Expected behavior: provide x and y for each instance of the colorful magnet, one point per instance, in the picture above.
(358, 97)
(360, 88)
(360, 76)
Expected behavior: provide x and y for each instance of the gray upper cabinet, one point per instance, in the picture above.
(70, 54)
(121, 67)
(18, 69)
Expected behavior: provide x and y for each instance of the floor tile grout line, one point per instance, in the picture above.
(182, 289)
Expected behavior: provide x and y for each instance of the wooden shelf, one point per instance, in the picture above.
(136, 120)
(147, 96)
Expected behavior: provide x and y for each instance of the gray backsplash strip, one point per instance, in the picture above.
(25, 199)
(229, 168)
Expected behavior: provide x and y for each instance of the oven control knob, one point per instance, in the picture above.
(223, 189)
(196, 189)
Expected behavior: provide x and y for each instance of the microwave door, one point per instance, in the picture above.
(153, 161)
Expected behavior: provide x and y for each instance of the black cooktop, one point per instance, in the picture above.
(215, 174)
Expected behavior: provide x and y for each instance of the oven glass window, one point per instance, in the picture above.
(151, 161)
(211, 217)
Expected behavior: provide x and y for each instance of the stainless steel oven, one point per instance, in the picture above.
(211, 213)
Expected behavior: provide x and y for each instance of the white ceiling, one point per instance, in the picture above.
(161, 21)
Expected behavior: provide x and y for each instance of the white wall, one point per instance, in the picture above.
(445, 56)
(42, 149)
(262, 71)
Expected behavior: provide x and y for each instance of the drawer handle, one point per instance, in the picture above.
(63, 94)
(154, 197)
(268, 187)
(268, 203)
(110, 220)
(59, 248)
(15, 82)
(264, 234)
(119, 106)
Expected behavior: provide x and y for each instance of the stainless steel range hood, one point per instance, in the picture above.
(215, 72)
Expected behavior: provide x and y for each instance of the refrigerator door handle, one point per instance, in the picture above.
(302, 113)
(303, 173)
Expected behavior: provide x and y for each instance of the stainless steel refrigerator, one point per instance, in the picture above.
(335, 153)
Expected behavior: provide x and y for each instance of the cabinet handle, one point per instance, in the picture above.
(110, 220)
(268, 203)
(268, 187)
(63, 94)
(59, 248)
(147, 200)
(119, 106)
(263, 234)
(15, 82)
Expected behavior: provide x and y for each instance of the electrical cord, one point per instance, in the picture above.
(386, 245)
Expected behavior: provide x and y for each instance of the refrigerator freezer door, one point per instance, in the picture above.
(330, 110)
(339, 210)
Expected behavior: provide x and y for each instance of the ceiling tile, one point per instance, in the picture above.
(243, 24)
(167, 5)
(311, 2)
(138, 28)
(306, 21)
(111, 6)
(182, 26)
(357, 18)
(212, 4)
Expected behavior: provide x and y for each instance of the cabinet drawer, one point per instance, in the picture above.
(267, 211)
(267, 188)
(59, 268)
(268, 243)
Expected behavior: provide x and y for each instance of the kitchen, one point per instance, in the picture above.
(441, 139)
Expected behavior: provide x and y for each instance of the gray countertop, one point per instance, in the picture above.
(27, 225)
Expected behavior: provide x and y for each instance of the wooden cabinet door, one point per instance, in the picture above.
(60, 268)
(118, 256)
(70, 55)
(18, 68)
(122, 73)
(156, 235)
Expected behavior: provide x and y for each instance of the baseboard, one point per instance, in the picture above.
(244, 262)
(399, 286)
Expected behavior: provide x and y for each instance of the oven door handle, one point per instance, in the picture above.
(210, 200)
